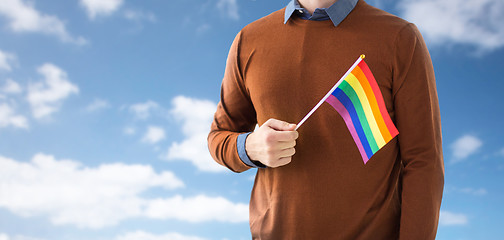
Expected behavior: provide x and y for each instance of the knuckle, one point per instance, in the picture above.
(271, 121)
(269, 137)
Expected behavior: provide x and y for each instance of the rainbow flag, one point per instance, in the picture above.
(358, 99)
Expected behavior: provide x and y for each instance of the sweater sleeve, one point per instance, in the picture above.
(235, 113)
(418, 121)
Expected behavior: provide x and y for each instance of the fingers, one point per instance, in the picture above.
(286, 145)
(279, 131)
(273, 137)
(289, 152)
(280, 125)
(285, 136)
(281, 162)
(273, 143)
(280, 158)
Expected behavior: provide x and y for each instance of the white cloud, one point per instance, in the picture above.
(501, 152)
(46, 96)
(143, 110)
(229, 8)
(4, 236)
(203, 28)
(11, 87)
(196, 116)
(154, 134)
(23, 17)
(8, 117)
(6, 59)
(141, 235)
(96, 8)
(97, 104)
(129, 130)
(70, 193)
(136, 15)
(473, 22)
(21, 237)
(17, 237)
(475, 192)
(447, 218)
(464, 147)
(196, 209)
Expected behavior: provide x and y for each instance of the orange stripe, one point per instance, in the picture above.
(376, 89)
(372, 101)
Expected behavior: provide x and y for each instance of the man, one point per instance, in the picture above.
(312, 183)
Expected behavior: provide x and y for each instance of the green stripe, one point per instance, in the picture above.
(350, 92)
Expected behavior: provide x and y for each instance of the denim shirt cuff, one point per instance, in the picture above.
(240, 145)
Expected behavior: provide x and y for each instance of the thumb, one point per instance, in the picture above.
(279, 125)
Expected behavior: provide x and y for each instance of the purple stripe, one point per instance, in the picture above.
(336, 104)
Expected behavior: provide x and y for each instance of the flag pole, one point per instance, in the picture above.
(362, 56)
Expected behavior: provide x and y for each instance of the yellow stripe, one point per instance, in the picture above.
(359, 74)
(354, 82)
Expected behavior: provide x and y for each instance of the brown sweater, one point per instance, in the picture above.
(277, 70)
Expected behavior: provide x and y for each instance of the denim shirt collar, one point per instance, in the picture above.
(336, 12)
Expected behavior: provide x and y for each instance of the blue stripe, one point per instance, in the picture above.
(343, 98)
(350, 92)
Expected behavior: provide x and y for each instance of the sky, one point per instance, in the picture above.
(105, 106)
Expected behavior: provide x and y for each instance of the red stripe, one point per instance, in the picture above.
(379, 97)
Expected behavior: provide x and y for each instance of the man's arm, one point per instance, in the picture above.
(235, 114)
(418, 121)
(271, 145)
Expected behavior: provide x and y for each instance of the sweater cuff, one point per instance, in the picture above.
(240, 145)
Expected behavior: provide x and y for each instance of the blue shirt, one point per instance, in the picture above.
(336, 13)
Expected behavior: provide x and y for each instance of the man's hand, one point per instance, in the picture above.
(273, 143)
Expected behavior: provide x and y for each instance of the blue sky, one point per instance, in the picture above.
(105, 106)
